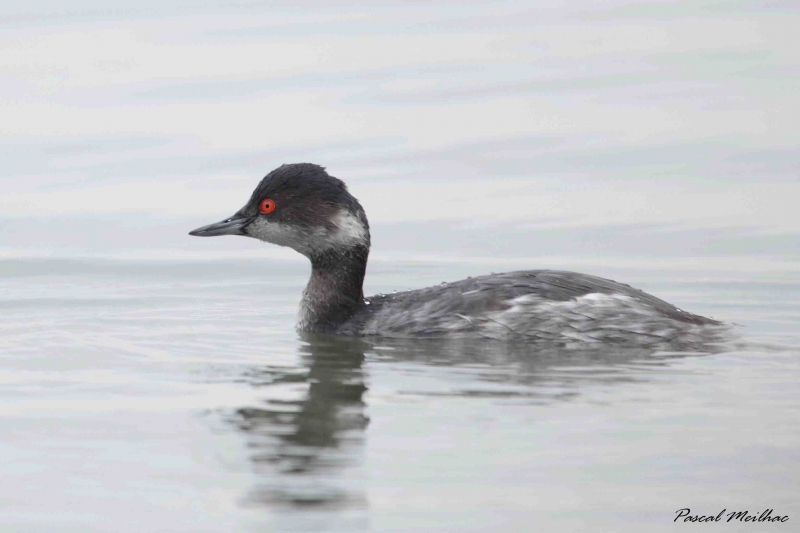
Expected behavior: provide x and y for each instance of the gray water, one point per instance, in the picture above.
(166, 396)
(154, 382)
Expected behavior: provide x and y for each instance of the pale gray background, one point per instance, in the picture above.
(649, 130)
(656, 143)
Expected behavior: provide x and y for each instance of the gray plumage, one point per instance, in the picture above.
(543, 305)
(316, 215)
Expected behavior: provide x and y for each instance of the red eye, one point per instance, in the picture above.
(266, 206)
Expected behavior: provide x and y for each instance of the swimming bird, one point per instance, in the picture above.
(304, 208)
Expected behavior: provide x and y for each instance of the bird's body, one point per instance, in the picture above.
(534, 305)
(302, 207)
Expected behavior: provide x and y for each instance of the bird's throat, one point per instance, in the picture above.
(335, 290)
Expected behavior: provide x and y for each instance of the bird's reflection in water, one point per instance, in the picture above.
(538, 372)
(312, 426)
(307, 437)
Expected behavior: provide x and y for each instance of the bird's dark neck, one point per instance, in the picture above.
(335, 291)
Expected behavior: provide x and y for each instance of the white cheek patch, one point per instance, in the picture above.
(280, 234)
(350, 232)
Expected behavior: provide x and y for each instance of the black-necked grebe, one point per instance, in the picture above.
(302, 207)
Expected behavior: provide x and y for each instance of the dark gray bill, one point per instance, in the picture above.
(231, 226)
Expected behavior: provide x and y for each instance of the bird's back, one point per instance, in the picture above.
(528, 305)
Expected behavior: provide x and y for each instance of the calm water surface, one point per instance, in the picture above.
(154, 382)
(176, 396)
